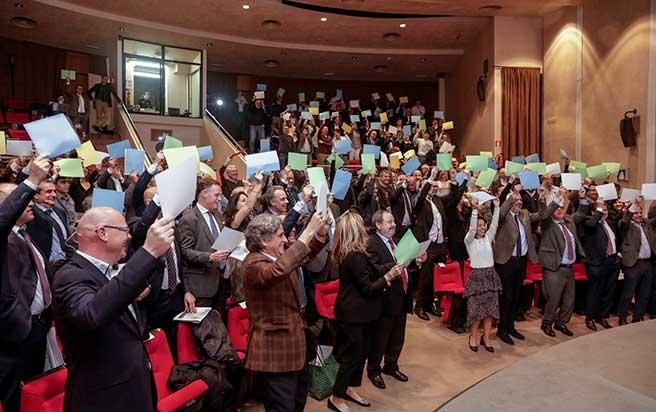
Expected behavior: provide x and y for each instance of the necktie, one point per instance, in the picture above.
(609, 245)
(171, 269)
(569, 247)
(213, 228)
(404, 274)
(301, 287)
(41, 272)
(518, 246)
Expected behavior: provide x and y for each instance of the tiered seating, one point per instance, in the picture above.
(162, 362)
(447, 280)
(325, 294)
(45, 393)
(15, 103)
(238, 329)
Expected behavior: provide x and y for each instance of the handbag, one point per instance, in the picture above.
(322, 371)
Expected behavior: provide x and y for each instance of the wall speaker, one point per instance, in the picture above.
(481, 89)
(627, 128)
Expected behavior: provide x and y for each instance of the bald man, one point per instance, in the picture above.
(99, 325)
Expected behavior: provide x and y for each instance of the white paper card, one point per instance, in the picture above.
(482, 197)
(322, 199)
(240, 252)
(19, 147)
(607, 191)
(629, 195)
(201, 313)
(384, 161)
(354, 103)
(649, 191)
(228, 239)
(177, 187)
(571, 181)
(553, 169)
(393, 130)
(259, 95)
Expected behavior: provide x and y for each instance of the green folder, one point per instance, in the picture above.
(485, 178)
(172, 143)
(477, 163)
(297, 161)
(316, 176)
(368, 162)
(407, 249)
(489, 155)
(578, 167)
(612, 167)
(512, 167)
(444, 161)
(338, 161)
(70, 167)
(598, 172)
(541, 168)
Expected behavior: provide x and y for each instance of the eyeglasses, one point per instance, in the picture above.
(123, 229)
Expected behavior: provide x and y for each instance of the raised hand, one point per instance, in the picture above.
(39, 169)
(159, 237)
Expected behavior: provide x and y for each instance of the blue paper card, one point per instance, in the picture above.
(339, 93)
(375, 125)
(291, 107)
(373, 149)
(265, 145)
(519, 159)
(492, 164)
(534, 158)
(461, 177)
(265, 161)
(205, 153)
(53, 135)
(261, 87)
(306, 115)
(108, 198)
(411, 165)
(341, 183)
(117, 150)
(343, 146)
(529, 179)
(407, 130)
(134, 161)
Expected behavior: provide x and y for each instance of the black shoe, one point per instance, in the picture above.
(589, 323)
(378, 381)
(563, 329)
(515, 334)
(435, 312)
(520, 318)
(474, 348)
(421, 314)
(548, 330)
(505, 338)
(604, 323)
(622, 322)
(362, 402)
(487, 348)
(96, 128)
(332, 407)
(397, 374)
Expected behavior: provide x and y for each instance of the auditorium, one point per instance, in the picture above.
(327, 205)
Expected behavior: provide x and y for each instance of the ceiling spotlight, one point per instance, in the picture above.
(283, 53)
(403, 25)
(219, 102)
(19, 5)
(245, 7)
(423, 60)
(271, 63)
(324, 19)
(209, 44)
(121, 29)
(490, 8)
(354, 57)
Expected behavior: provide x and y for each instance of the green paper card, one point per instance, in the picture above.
(485, 178)
(612, 167)
(368, 162)
(598, 172)
(206, 169)
(541, 168)
(172, 143)
(407, 249)
(338, 161)
(489, 155)
(317, 177)
(477, 163)
(444, 161)
(178, 155)
(280, 92)
(70, 167)
(297, 161)
(512, 167)
(576, 166)
(301, 97)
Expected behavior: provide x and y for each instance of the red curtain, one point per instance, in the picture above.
(521, 111)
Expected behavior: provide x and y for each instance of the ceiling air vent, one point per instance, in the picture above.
(271, 24)
(23, 22)
(391, 37)
(271, 63)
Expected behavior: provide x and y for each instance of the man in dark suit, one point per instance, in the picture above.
(49, 228)
(197, 231)
(389, 330)
(99, 324)
(112, 178)
(603, 263)
(401, 205)
(559, 248)
(430, 213)
(24, 289)
(275, 298)
(637, 247)
(514, 243)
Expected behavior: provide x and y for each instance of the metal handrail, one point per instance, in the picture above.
(133, 129)
(223, 130)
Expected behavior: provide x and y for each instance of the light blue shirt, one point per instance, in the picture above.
(522, 235)
(564, 229)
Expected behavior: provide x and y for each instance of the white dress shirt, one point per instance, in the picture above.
(80, 104)
(611, 237)
(564, 260)
(207, 215)
(522, 234)
(480, 250)
(645, 250)
(435, 234)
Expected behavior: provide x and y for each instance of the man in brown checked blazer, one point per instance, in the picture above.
(276, 339)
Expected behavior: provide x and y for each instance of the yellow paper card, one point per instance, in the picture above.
(3, 143)
(206, 169)
(447, 125)
(403, 99)
(383, 117)
(422, 124)
(346, 128)
(88, 154)
(395, 160)
(314, 111)
(178, 155)
(409, 154)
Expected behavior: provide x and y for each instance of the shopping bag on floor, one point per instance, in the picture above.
(323, 371)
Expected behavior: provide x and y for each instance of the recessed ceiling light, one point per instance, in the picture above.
(391, 36)
(324, 19)
(423, 60)
(23, 22)
(328, 74)
(245, 7)
(271, 24)
(209, 44)
(271, 63)
(354, 57)
(380, 68)
(121, 29)
(283, 53)
(19, 5)
(403, 25)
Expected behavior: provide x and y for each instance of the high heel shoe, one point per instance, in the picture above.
(473, 348)
(487, 348)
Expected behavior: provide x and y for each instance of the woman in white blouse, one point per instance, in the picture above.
(483, 286)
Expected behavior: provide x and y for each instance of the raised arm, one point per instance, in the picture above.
(473, 223)
(492, 230)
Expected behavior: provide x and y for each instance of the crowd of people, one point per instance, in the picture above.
(107, 278)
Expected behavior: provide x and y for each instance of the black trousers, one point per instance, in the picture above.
(284, 391)
(351, 351)
(651, 307)
(637, 279)
(161, 313)
(436, 253)
(602, 280)
(387, 338)
(512, 274)
(22, 362)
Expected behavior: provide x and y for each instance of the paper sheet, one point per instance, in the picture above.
(117, 150)
(373, 149)
(88, 154)
(228, 239)
(322, 199)
(341, 183)
(482, 197)
(571, 181)
(629, 195)
(316, 177)
(297, 161)
(649, 191)
(19, 147)
(108, 198)
(171, 142)
(70, 167)
(266, 162)
(53, 135)
(607, 191)
(134, 161)
(407, 249)
(176, 187)
(205, 153)
(178, 155)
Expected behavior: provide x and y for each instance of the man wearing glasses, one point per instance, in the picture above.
(99, 326)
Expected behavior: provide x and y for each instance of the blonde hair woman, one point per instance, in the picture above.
(358, 305)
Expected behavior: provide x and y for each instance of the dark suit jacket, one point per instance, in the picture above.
(105, 182)
(108, 365)
(40, 230)
(276, 338)
(507, 234)
(398, 206)
(15, 319)
(200, 276)
(593, 236)
(395, 300)
(553, 244)
(424, 213)
(359, 299)
(630, 235)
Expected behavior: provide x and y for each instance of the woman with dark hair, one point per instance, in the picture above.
(241, 204)
(358, 305)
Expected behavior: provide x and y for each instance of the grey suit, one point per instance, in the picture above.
(558, 280)
(200, 276)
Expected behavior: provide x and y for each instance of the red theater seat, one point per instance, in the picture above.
(447, 280)
(18, 134)
(45, 393)
(580, 274)
(16, 104)
(534, 274)
(187, 344)
(325, 295)
(238, 329)
(17, 118)
(162, 362)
